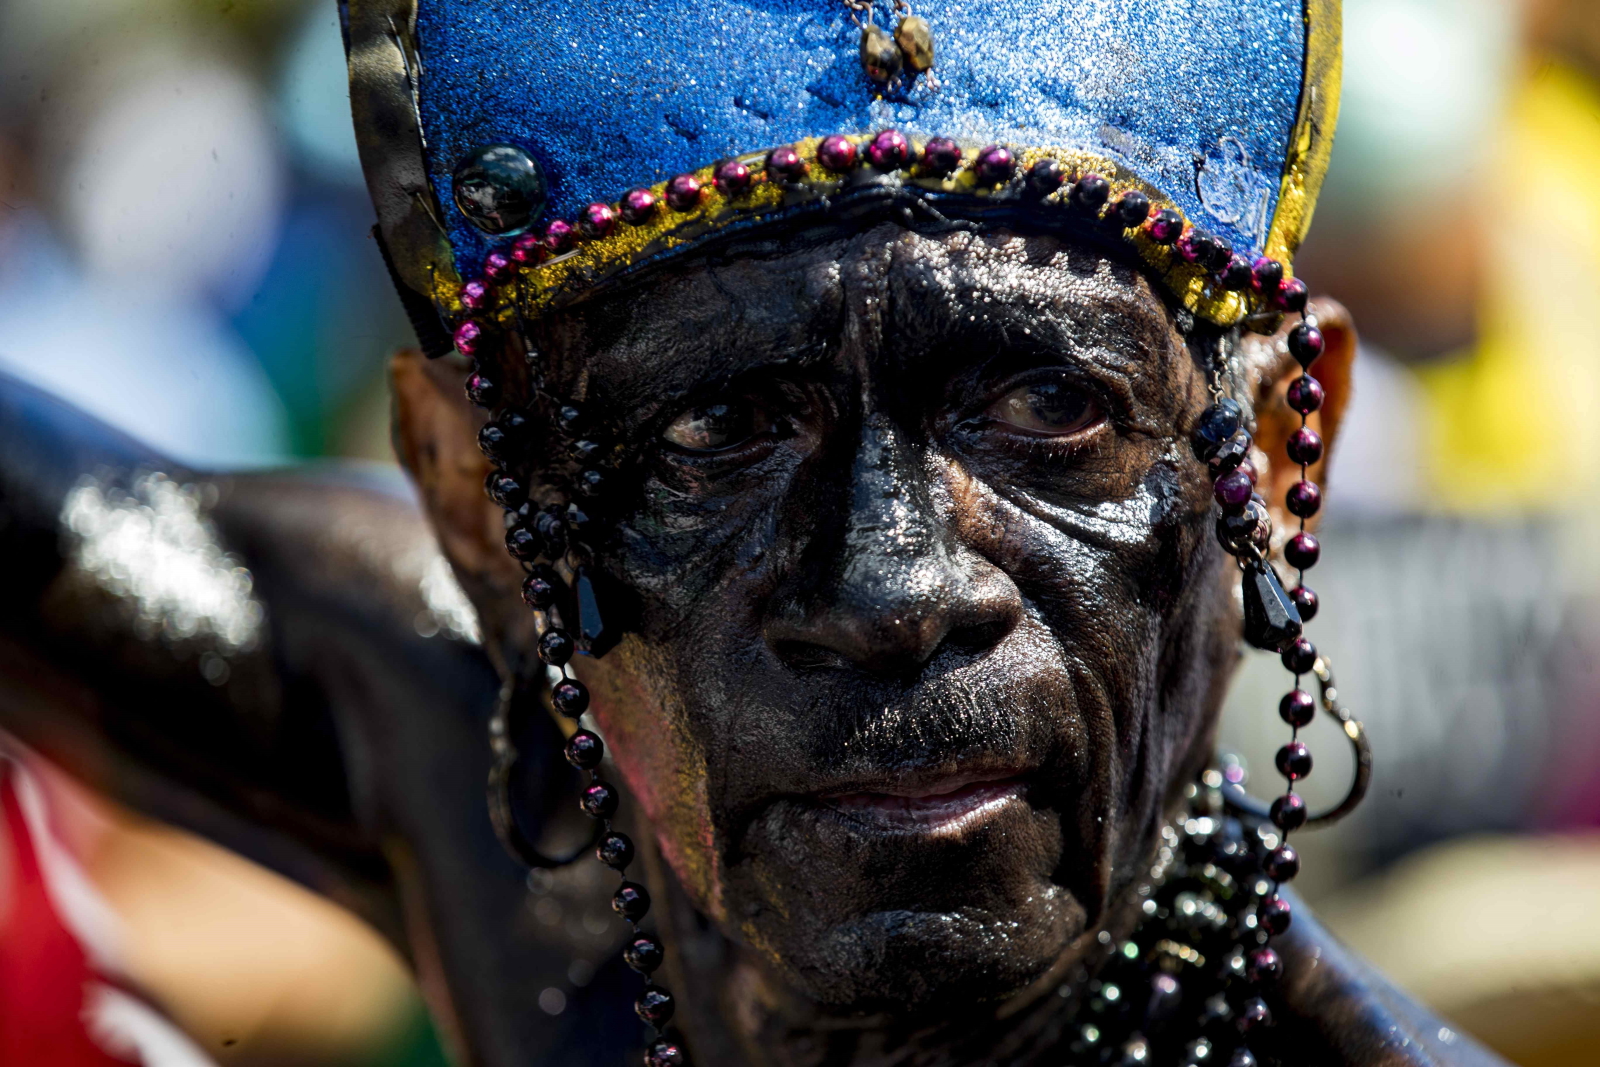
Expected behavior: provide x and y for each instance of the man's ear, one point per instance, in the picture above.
(436, 437)
(1270, 369)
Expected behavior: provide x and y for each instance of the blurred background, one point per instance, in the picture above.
(185, 252)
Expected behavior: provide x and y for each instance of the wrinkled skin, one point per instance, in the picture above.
(900, 583)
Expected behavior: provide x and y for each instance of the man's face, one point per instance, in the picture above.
(932, 624)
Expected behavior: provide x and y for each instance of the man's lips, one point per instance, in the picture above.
(942, 806)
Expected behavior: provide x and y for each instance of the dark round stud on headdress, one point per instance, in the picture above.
(527, 250)
(941, 156)
(785, 165)
(684, 192)
(468, 336)
(476, 295)
(1165, 226)
(995, 165)
(1044, 178)
(1236, 274)
(880, 56)
(500, 188)
(560, 236)
(731, 177)
(1090, 193)
(637, 206)
(889, 150)
(838, 153)
(1131, 209)
(497, 267)
(597, 221)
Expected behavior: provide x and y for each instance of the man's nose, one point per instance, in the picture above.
(884, 583)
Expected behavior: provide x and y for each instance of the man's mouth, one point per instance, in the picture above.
(941, 807)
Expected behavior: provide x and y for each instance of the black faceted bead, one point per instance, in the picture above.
(539, 589)
(1233, 452)
(1289, 812)
(1252, 1015)
(1044, 178)
(1270, 618)
(631, 901)
(499, 188)
(1299, 656)
(556, 647)
(1282, 863)
(655, 1006)
(1294, 760)
(1306, 344)
(1297, 708)
(523, 544)
(1131, 209)
(1237, 533)
(665, 1053)
(1217, 424)
(570, 697)
(1090, 193)
(505, 490)
(585, 750)
(598, 628)
(643, 953)
(1305, 598)
(599, 800)
(1275, 915)
(615, 850)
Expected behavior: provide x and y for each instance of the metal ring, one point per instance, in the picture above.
(1242, 802)
(506, 828)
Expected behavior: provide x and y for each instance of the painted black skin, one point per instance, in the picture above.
(887, 578)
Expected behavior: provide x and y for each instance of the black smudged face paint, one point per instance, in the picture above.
(931, 620)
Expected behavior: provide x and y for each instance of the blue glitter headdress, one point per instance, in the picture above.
(525, 154)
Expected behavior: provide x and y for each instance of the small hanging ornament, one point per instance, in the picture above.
(915, 38)
(880, 56)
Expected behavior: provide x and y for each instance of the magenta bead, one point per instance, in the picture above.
(1305, 602)
(1305, 446)
(995, 164)
(497, 266)
(527, 250)
(1298, 656)
(1233, 491)
(1190, 245)
(637, 206)
(837, 153)
(1302, 551)
(1275, 915)
(889, 150)
(1293, 294)
(941, 155)
(1282, 863)
(1294, 760)
(1164, 226)
(475, 295)
(467, 337)
(598, 220)
(1266, 275)
(785, 165)
(731, 177)
(481, 391)
(560, 236)
(1297, 708)
(1263, 965)
(1288, 812)
(1303, 499)
(683, 192)
(1305, 394)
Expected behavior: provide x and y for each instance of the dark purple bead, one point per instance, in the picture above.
(1293, 294)
(1306, 343)
(941, 156)
(599, 800)
(889, 150)
(1297, 708)
(1234, 454)
(467, 337)
(995, 165)
(1302, 551)
(1265, 274)
(549, 526)
(732, 177)
(560, 236)
(505, 490)
(497, 267)
(1305, 445)
(1305, 599)
(1282, 864)
(1299, 656)
(1044, 178)
(1253, 1014)
(1220, 257)
(837, 152)
(527, 249)
(1090, 193)
(1131, 209)
(1236, 275)
(1195, 246)
(570, 697)
(1275, 915)
(539, 589)
(1233, 491)
(655, 1006)
(638, 205)
(481, 391)
(785, 165)
(1165, 226)
(585, 750)
(475, 295)
(1289, 812)
(665, 1053)
(684, 192)
(597, 221)
(1294, 760)
(1262, 966)
(631, 901)
(615, 850)
(556, 647)
(1305, 394)
(1303, 499)
(643, 953)
(1218, 422)
(523, 544)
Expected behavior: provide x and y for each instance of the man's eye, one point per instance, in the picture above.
(1046, 408)
(717, 427)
